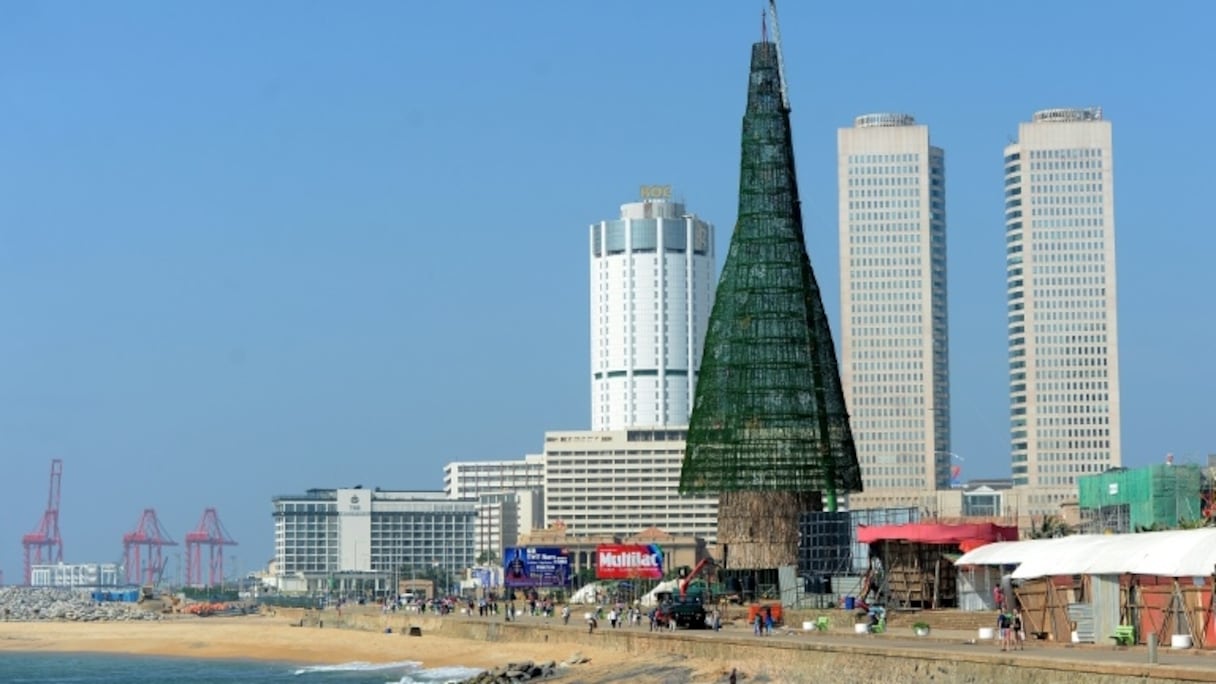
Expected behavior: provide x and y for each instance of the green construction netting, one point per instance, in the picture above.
(769, 413)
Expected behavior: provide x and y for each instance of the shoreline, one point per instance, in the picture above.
(279, 640)
(297, 638)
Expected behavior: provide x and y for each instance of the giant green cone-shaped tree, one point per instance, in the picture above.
(769, 432)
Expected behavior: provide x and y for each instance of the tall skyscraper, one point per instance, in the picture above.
(893, 301)
(652, 286)
(1060, 277)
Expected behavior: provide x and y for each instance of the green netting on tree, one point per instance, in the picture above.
(769, 412)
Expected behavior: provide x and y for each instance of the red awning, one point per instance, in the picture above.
(975, 534)
(968, 545)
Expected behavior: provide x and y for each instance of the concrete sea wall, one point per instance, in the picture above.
(805, 658)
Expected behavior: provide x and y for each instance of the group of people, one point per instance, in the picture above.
(1011, 633)
(762, 623)
(619, 616)
(632, 616)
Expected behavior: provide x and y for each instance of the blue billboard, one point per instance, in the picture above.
(535, 566)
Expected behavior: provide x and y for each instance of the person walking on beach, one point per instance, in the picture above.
(1019, 633)
(591, 623)
(566, 614)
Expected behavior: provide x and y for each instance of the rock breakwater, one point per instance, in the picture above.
(32, 604)
(514, 673)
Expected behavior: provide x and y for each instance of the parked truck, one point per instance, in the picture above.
(686, 609)
(687, 612)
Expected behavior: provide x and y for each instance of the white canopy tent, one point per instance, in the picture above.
(587, 594)
(652, 598)
(1175, 553)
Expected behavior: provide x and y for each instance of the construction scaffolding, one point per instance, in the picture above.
(825, 546)
(770, 413)
(769, 431)
(1111, 519)
(916, 575)
(1161, 496)
(873, 517)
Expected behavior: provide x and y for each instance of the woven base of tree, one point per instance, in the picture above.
(760, 529)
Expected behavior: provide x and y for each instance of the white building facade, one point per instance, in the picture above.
(368, 534)
(652, 288)
(895, 346)
(620, 482)
(510, 499)
(1060, 280)
(467, 479)
(77, 575)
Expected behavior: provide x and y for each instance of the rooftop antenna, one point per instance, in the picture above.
(785, 95)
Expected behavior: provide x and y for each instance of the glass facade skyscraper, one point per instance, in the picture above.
(895, 340)
(1060, 279)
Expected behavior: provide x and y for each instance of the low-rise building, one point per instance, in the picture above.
(76, 575)
(614, 482)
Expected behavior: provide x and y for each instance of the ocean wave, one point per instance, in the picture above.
(439, 675)
(359, 666)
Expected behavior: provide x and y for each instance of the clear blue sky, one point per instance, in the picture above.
(252, 248)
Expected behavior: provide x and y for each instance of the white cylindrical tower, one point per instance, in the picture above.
(652, 287)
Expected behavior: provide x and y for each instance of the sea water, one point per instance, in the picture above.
(72, 668)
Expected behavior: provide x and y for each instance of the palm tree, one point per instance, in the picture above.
(1050, 527)
(1194, 523)
(1155, 527)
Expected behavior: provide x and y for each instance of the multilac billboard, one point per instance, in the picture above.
(535, 566)
(629, 561)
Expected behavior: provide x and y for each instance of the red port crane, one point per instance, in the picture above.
(210, 531)
(151, 535)
(46, 537)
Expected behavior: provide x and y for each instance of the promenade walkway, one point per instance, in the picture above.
(946, 645)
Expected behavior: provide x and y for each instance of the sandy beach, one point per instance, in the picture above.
(263, 638)
(277, 640)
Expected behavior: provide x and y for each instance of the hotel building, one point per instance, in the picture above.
(652, 287)
(340, 538)
(619, 482)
